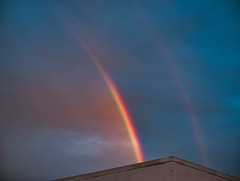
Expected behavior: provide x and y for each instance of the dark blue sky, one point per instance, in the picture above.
(175, 63)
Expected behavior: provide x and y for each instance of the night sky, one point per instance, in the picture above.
(175, 63)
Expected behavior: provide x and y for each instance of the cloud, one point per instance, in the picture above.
(57, 152)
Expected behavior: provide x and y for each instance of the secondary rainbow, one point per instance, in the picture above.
(173, 69)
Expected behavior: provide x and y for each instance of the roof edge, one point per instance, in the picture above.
(148, 164)
(205, 169)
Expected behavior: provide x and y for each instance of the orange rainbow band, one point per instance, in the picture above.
(122, 109)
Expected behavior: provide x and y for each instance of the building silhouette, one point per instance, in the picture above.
(165, 169)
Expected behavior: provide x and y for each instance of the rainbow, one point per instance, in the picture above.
(116, 97)
(169, 61)
(121, 108)
(192, 119)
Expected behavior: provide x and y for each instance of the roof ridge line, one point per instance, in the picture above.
(149, 164)
(205, 169)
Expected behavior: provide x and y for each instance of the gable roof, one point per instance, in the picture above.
(149, 164)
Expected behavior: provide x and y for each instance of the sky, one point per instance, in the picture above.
(175, 66)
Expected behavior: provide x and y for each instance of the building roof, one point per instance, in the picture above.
(150, 164)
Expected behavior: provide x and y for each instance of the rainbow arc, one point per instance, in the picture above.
(116, 97)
